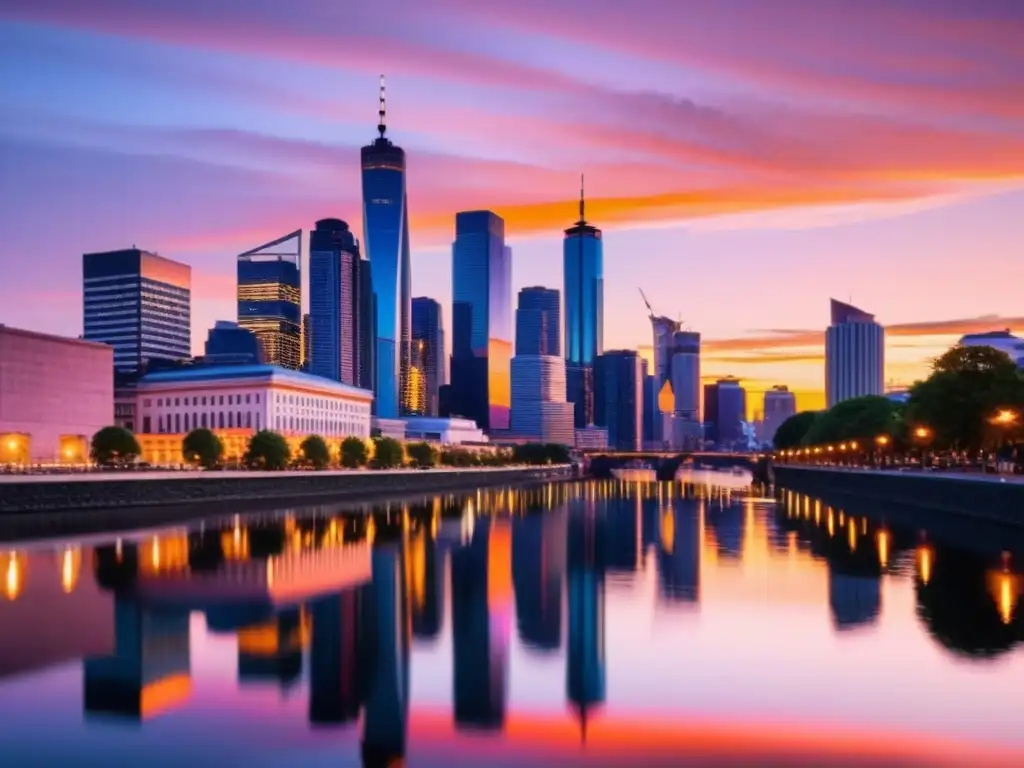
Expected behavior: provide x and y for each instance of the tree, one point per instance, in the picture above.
(387, 453)
(457, 457)
(202, 447)
(959, 401)
(354, 453)
(422, 454)
(268, 450)
(114, 446)
(315, 452)
(860, 418)
(792, 431)
(558, 453)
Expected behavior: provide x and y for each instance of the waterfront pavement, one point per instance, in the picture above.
(974, 477)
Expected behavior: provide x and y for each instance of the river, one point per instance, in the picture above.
(587, 623)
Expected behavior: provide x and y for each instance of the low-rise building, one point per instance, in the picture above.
(592, 439)
(236, 401)
(444, 431)
(55, 394)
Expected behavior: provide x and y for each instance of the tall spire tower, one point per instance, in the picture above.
(382, 125)
(583, 219)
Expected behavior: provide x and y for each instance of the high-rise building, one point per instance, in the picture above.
(854, 354)
(711, 413)
(386, 242)
(585, 651)
(618, 398)
(664, 331)
(139, 303)
(338, 304)
(428, 347)
(539, 322)
(481, 320)
(307, 341)
(685, 370)
(270, 298)
(583, 265)
(539, 407)
(729, 406)
(227, 343)
(1004, 341)
(779, 405)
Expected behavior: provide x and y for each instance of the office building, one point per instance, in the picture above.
(429, 345)
(270, 298)
(442, 430)
(481, 320)
(55, 394)
(227, 343)
(540, 411)
(618, 398)
(307, 340)
(583, 269)
(664, 331)
(725, 408)
(139, 303)
(386, 243)
(339, 308)
(1004, 341)
(539, 322)
(686, 388)
(585, 652)
(779, 405)
(854, 354)
(538, 575)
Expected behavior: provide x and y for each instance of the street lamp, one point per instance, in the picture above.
(923, 435)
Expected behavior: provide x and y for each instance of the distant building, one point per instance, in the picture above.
(729, 406)
(307, 340)
(138, 303)
(652, 416)
(618, 398)
(481, 320)
(779, 405)
(685, 372)
(227, 343)
(270, 298)
(711, 413)
(664, 330)
(854, 355)
(340, 305)
(539, 322)
(55, 394)
(583, 270)
(429, 350)
(1004, 341)
(592, 438)
(443, 431)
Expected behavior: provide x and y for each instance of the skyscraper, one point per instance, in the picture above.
(386, 241)
(337, 304)
(539, 407)
(618, 388)
(270, 298)
(428, 337)
(227, 343)
(730, 409)
(854, 354)
(779, 405)
(539, 322)
(139, 304)
(685, 370)
(307, 340)
(481, 320)
(583, 263)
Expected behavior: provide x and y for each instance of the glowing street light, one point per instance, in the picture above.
(1005, 417)
(922, 433)
(882, 440)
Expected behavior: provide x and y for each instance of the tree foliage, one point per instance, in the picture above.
(202, 448)
(541, 453)
(387, 453)
(860, 418)
(792, 431)
(268, 450)
(422, 454)
(114, 446)
(315, 452)
(460, 457)
(354, 453)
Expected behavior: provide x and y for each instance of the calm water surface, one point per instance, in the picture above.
(593, 623)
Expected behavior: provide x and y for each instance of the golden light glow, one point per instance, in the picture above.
(831, 522)
(70, 568)
(14, 575)
(882, 538)
(1005, 589)
(162, 695)
(163, 554)
(852, 529)
(668, 530)
(922, 432)
(666, 398)
(1005, 417)
(854, 446)
(925, 560)
(882, 440)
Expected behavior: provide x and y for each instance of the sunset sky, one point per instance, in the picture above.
(748, 160)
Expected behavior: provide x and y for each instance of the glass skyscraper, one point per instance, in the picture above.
(583, 263)
(854, 354)
(386, 241)
(270, 298)
(339, 308)
(618, 398)
(139, 304)
(539, 322)
(481, 320)
(428, 351)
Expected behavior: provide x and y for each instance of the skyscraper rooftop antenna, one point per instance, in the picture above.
(382, 113)
(582, 218)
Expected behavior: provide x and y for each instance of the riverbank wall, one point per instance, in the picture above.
(983, 498)
(38, 494)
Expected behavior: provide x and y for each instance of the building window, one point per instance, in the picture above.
(220, 400)
(231, 419)
(177, 401)
(220, 419)
(160, 424)
(146, 424)
(247, 399)
(204, 421)
(177, 422)
(257, 422)
(257, 399)
(248, 420)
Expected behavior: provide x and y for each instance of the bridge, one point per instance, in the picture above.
(666, 463)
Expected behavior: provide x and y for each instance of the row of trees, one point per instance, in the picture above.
(114, 446)
(973, 400)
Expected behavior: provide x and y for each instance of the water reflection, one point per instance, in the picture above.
(380, 619)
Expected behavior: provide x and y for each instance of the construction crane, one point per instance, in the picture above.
(649, 307)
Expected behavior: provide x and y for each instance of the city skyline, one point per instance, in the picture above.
(747, 200)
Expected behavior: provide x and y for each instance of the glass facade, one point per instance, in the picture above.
(618, 398)
(228, 343)
(481, 320)
(539, 322)
(583, 264)
(139, 304)
(429, 350)
(337, 306)
(386, 241)
(270, 298)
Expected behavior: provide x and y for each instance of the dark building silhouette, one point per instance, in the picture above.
(270, 298)
(227, 343)
(272, 651)
(585, 663)
(538, 571)
(341, 306)
(428, 338)
(427, 608)
(481, 320)
(855, 599)
(618, 398)
(679, 553)
(729, 525)
(622, 543)
(338, 674)
(711, 413)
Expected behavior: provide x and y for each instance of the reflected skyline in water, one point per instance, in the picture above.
(591, 621)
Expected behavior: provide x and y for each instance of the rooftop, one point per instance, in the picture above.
(206, 373)
(847, 313)
(53, 337)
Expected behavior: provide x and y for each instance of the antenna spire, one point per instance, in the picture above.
(382, 124)
(582, 219)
